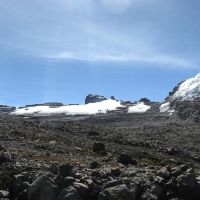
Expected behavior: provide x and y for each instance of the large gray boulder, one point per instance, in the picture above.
(69, 193)
(43, 188)
(19, 183)
(188, 186)
(121, 192)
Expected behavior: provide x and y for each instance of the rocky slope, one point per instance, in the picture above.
(108, 157)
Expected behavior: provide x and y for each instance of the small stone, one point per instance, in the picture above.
(96, 173)
(157, 190)
(159, 180)
(164, 173)
(5, 157)
(177, 173)
(98, 147)
(172, 151)
(3, 194)
(94, 165)
(68, 181)
(115, 171)
(54, 168)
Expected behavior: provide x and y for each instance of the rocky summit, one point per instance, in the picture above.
(103, 150)
(94, 98)
(185, 99)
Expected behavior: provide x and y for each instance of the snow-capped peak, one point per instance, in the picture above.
(188, 90)
(198, 75)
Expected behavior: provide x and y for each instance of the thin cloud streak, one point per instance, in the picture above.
(126, 58)
(97, 31)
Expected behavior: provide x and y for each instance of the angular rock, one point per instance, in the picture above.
(68, 181)
(18, 185)
(69, 193)
(65, 170)
(164, 173)
(94, 165)
(147, 195)
(43, 188)
(5, 157)
(94, 98)
(157, 190)
(172, 151)
(126, 159)
(171, 185)
(99, 147)
(120, 192)
(115, 171)
(112, 183)
(82, 189)
(4, 194)
(54, 168)
(188, 187)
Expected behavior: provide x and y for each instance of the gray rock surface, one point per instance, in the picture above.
(94, 98)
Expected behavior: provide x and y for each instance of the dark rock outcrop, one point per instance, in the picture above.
(145, 100)
(188, 110)
(65, 170)
(99, 147)
(50, 104)
(94, 98)
(126, 159)
(4, 108)
(175, 89)
(187, 102)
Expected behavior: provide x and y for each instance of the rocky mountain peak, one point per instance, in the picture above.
(90, 98)
(185, 99)
(188, 90)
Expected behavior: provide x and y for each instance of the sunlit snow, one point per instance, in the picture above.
(88, 109)
(138, 108)
(165, 107)
(189, 89)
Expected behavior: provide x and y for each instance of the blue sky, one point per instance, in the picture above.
(61, 50)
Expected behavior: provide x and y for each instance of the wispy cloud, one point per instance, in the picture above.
(157, 60)
(96, 31)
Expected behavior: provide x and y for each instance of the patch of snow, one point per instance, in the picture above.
(87, 109)
(138, 108)
(165, 107)
(189, 89)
